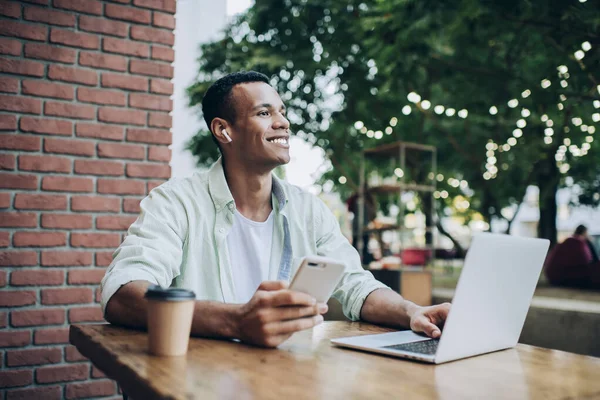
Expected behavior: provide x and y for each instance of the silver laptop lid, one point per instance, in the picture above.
(493, 295)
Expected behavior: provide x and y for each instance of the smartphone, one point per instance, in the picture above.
(318, 276)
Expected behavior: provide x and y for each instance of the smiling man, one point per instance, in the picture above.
(236, 233)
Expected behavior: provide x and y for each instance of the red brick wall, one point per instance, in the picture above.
(84, 130)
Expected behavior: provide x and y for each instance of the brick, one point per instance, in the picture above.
(20, 104)
(20, 142)
(4, 242)
(46, 316)
(103, 25)
(127, 82)
(127, 13)
(98, 295)
(17, 298)
(90, 389)
(15, 378)
(12, 10)
(9, 85)
(73, 355)
(8, 122)
(161, 5)
(18, 220)
(163, 20)
(47, 126)
(85, 314)
(3, 281)
(86, 276)
(51, 336)
(118, 150)
(69, 110)
(121, 116)
(120, 186)
(69, 146)
(20, 181)
(18, 258)
(4, 200)
(76, 372)
(21, 67)
(95, 203)
(104, 61)
(25, 201)
(25, 277)
(67, 296)
(24, 31)
(151, 68)
(131, 205)
(100, 96)
(99, 131)
(44, 163)
(144, 170)
(8, 161)
(104, 258)
(74, 39)
(66, 221)
(39, 239)
(159, 120)
(163, 53)
(15, 338)
(42, 392)
(47, 89)
(47, 16)
(95, 240)
(97, 373)
(154, 184)
(71, 74)
(67, 184)
(127, 47)
(161, 86)
(51, 53)
(66, 258)
(84, 6)
(10, 46)
(18, 358)
(114, 222)
(153, 136)
(150, 102)
(97, 167)
(153, 35)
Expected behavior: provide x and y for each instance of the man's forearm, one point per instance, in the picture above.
(128, 307)
(386, 307)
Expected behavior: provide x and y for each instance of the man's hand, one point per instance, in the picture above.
(430, 320)
(274, 313)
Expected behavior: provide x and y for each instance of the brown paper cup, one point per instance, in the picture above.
(170, 316)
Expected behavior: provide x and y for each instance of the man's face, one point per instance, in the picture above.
(261, 131)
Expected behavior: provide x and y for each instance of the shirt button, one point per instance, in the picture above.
(222, 230)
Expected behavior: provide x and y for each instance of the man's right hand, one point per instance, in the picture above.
(274, 313)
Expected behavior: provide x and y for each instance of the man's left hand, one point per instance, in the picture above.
(430, 320)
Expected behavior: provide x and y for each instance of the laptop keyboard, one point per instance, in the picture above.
(428, 347)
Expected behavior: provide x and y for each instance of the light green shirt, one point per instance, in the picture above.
(180, 240)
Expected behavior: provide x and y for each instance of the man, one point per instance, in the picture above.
(235, 234)
(574, 262)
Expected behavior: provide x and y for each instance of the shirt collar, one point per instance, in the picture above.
(221, 195)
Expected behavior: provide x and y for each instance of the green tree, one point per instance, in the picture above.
(507, 91)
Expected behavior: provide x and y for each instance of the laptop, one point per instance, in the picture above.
(488, 311)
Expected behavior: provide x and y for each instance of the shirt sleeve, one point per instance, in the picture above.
(356, 283)
(153, 248)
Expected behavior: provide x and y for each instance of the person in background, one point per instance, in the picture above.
(574, 262)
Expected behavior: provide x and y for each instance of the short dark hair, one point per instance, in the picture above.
(581, 230)
(217, 101)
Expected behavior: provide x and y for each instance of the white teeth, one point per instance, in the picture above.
(279, 140)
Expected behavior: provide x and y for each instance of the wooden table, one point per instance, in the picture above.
(308, 367)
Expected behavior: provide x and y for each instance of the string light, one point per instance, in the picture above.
(562, 69)
(586, 46)
(549, 123)
(579, 54)
(398, 172)
(439, 109)
(548, 131)
(513, 103)
(406, 110)
(546, 83)
(463, 113)
(596, 117)
(450, 112)
(413, 97)
(388, 130)
(526, 93)
(342, 180)
(596, 103)
(358, 125)
(394, 121)
(564, 83)
(378, 135)
(493, 110)
(511, 141)
(525, 113)
(521, 123)
(591, 129)
(517, 133)
(544, 118)
(425, 104)
(548, 140)
(370, 134)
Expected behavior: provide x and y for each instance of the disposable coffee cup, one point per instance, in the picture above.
(170, 313)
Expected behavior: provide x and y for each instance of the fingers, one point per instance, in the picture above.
(291, 313)
(422, 324)
(273, 285)
(288, 327)
(290, 298)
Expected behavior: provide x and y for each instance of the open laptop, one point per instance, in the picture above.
(489, 306)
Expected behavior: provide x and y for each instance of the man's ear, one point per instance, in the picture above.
(219, 128)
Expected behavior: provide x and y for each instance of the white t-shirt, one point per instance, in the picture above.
(249, 245)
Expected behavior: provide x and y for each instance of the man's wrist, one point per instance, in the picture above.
(410, 309)
(232, 325)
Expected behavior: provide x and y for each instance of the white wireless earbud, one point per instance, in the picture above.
(224, 132)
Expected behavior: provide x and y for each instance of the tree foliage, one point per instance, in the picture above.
(475, 71)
